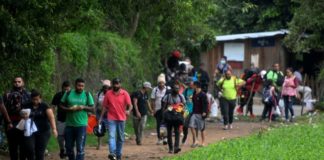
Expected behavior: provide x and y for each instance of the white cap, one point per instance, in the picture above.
(147, 85)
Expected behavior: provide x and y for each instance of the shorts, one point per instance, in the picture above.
(197, 122)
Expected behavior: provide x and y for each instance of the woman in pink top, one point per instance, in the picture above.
(289, 92)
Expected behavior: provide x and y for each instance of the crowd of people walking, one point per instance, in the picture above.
(181, 102)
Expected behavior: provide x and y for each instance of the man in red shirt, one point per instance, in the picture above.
(117, 103)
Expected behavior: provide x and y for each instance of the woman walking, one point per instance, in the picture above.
(42, 116)
(289, 92)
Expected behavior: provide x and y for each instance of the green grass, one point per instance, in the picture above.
(92, 139)
(299, 141)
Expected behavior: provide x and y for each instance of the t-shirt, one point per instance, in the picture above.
(116, 104)
(142, 100)
(56, 101)
(39, 116)
(200, 103)
(77, 118)
(169, 99)
(229, 87)
(299, 77)
(157, 96)
(187, 94)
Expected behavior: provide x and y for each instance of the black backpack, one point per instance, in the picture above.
(13, 102)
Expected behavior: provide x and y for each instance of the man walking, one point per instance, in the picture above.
(157, 94)
(61, 116)
(13, 101)
(77, 103)
(197, 120)
(117, 103)
(141, 105)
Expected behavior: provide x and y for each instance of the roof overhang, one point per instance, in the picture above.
(244, 36)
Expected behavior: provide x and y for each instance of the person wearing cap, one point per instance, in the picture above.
(99, 99)
(140, 108)
(173, 106)
(199, 113)
(61, 116)
(117, 103)
(157, 94)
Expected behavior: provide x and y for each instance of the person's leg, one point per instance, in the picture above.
(69, 142)
(13, 143)
(264, 112)
(185, 134)
(250, 105)
(136, 126)
(158, 119)
(112, 137)
(169, 130)
(120, 138)
(60, 138)
(203, 137)
(290, 106)
(176, 138)
(29, 147)
(81, 136)
(142, 127)
(231, 107)
(224, 109)
(41, 140)
(286, 101)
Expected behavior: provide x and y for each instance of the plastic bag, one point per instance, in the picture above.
(281, 103)
(214, 110)
(277, 111)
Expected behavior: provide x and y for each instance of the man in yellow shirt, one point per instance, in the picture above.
(228, 86)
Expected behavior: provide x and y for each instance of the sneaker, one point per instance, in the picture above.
(165, 141)
(194, 145)
(62, 154)
(252, 116)
(177, 150)
(230, 126)
(159, 142)
(225, 127)
(118, 158)
(112, 157)
(292, 118)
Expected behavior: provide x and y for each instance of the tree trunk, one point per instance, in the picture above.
(134, 25)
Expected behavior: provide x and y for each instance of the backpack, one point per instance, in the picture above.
(266, 96)
(168, 97)
(280, 77)
(13, 102)
(68, 94)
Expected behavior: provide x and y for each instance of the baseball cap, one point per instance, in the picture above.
(147, 85)
(116, 81)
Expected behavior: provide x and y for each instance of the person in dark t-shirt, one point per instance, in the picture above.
(141, 105)
(61, 115)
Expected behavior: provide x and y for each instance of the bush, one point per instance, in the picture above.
(292, 142)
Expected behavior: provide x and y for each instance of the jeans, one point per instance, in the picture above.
(139, 124)
(75, 135)
(227, 109)
(35, 145)
(289, 101)
(175, 126)
(250, 104)
(116, 137)
(15, 142)
(159, 117)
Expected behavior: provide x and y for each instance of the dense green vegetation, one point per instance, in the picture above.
(299, 141)
(48, 41)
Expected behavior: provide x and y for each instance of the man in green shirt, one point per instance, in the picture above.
(77, 103)
(228, 86)
(275, 75)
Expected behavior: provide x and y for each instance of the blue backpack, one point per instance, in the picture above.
(266, 96)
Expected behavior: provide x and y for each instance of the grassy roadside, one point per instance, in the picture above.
(297, 141)
(92, 139)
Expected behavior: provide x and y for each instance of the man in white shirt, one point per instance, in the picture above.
(156, 96)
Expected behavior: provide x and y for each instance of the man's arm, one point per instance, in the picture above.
(4, 112)
(138, 114)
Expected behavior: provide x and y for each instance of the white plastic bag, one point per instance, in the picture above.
(281, 103)
(214, 109)
(277, 111)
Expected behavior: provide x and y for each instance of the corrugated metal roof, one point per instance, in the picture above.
(250, 35)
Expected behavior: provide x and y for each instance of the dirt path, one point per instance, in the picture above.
(149, 150)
